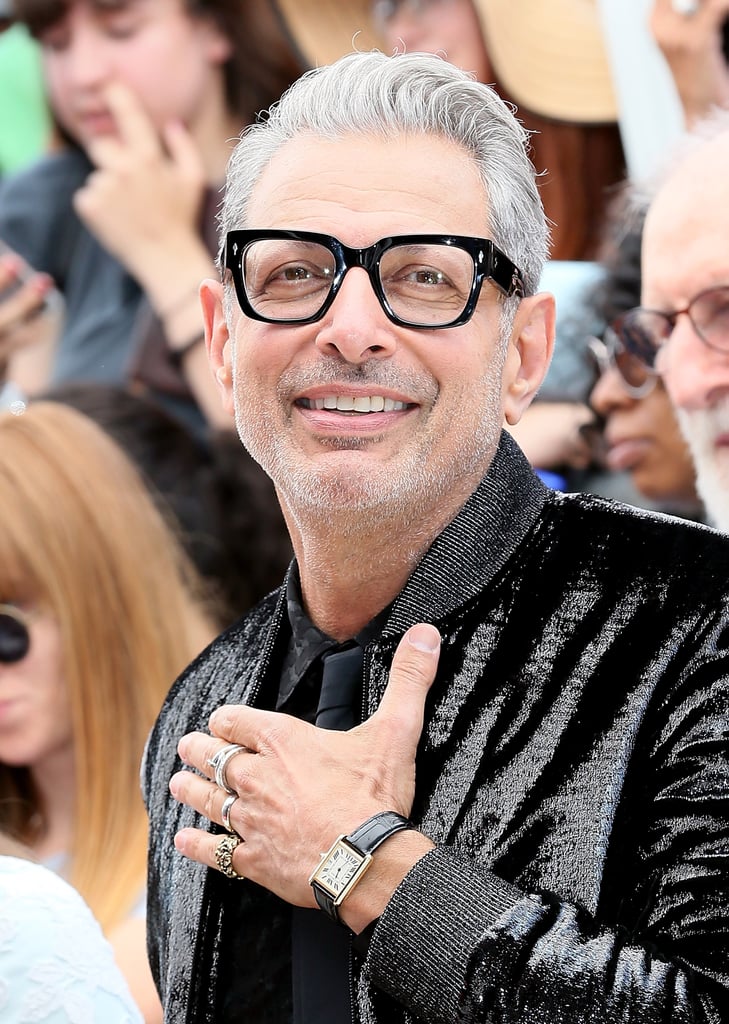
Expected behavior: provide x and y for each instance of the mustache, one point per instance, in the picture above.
(374, 373)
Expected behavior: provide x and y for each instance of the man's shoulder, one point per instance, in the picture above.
(639, 535)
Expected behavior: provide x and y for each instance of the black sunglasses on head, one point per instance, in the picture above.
(14, 634)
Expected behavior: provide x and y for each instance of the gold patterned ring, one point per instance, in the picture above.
(224, 855)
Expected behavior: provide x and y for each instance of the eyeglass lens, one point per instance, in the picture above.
(633, 370)
(644, 331)
(426, 285)
(14, 638)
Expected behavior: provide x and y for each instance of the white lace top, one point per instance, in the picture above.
(56, 967)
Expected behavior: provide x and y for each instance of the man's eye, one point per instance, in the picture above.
(429, 276)
(296, 273)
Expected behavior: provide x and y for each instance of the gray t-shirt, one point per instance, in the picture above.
(38, 221)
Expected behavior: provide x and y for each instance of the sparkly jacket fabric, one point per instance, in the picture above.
(573, 770)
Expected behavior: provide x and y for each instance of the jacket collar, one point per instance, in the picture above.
(476, 544)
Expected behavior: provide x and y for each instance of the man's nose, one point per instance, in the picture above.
(355, 327)
(696, 376)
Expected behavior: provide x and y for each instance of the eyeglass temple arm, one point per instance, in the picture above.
(505, 274)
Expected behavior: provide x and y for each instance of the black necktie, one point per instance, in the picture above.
(321, 949)
(340, 677)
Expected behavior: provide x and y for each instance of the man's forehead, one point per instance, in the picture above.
(684, 240)
(695, 187)
(408, 175)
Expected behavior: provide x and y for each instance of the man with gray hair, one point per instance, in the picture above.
(470, 762)
(681, 330)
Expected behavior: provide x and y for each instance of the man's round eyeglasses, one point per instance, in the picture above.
(644, 331)
(609, 352)
(425, 281)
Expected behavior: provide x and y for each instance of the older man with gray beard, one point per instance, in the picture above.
(681, 330)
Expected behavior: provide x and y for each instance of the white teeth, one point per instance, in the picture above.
(362, 403)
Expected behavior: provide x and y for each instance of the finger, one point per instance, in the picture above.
(205, 797)
(201, 846)
(134, 126)
(25, 303)
(183, 150)
(412, 672)
(253, 728)
(105, 152)
(197, 750)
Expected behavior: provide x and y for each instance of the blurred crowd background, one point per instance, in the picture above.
(117, 118)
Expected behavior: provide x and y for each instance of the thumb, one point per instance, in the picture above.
(412, 672)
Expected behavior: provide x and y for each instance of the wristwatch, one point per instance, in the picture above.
(346, 861)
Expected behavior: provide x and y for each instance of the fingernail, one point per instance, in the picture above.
(424, 638)
(42, 283)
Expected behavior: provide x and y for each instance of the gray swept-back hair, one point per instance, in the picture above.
(371, 94)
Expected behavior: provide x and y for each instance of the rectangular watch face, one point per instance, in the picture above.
(339, 869)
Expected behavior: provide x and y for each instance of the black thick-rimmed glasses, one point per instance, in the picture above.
(644, 331)
(609, 352)
(14, 634)
(425, 281)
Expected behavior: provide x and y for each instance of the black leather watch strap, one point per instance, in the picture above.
(365, 840)
(373, 832)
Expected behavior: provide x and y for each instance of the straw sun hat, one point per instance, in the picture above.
(548, 55)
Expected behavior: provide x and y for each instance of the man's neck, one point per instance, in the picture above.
(349, 575)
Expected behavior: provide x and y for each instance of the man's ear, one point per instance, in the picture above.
(217, 341)
(529, 355)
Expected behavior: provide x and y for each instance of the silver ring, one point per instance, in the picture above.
(225, 812)
(687, 8)
(224, 855)
(218, 762)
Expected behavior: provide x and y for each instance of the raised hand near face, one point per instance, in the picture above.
(690, 36)
(24, 296)
(294, 788)
(143, 199)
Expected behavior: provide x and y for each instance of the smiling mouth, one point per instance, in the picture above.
(349, 403)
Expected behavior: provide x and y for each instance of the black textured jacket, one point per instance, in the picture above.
(573, 770)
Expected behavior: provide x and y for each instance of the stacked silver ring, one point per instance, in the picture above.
(225, 812)
(218, 762)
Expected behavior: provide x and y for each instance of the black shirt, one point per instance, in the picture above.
(320, 964)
